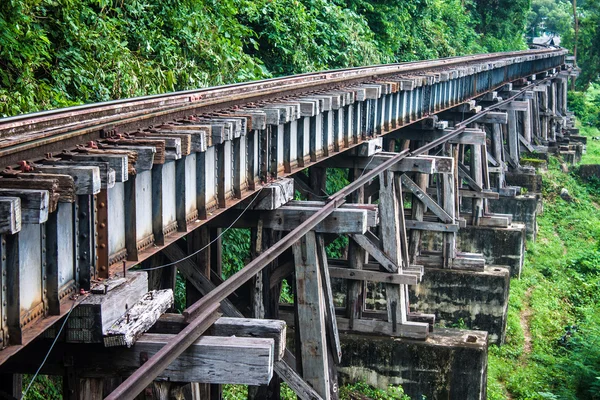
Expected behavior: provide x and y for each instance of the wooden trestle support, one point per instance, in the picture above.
(156, 198)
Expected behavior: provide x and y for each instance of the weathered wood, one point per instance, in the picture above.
(274, 195)
(66, 185)
(87, 178)
(341, 221)
(371, 248)
(118, 162)
(139, 318)
(107, 174)
(408, 329)
(332, 330)
(144, 156)
(130, 155)
(311, 315)
(431, 226)
(425, 199)
(251, 327)
(93, 317)
(34, 204)
(372, 276)
(51, 185)
(211, 359)
(303, 390)
(371, 209)
(10, 215)
(390, 209)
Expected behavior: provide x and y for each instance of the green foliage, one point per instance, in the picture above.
(555, 305)
(45, 387)
(60, 52)
(501, 23)
(179, 294)
(236, 250)
(586, 105)
(552, 17)
(361, 391)
(56, 53)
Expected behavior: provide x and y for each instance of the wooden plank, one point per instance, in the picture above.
(10, 215)
(139, 318)
(372, 276)
(425, 165)
(408, 329)
(66, 185)
(251, 327)
(464, 174)
(93, 317)
(371, 209)
(87, 178)
(118, 162)
(311, 315)
(302, 389)
(340, 221)
(34, 204)
(144, 159)
(390, 208)
(51, 185)
(382, 258)
(273, 196)
(525, 143)
(431, 226)
(425, 199)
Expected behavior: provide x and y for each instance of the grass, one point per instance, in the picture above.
(555, 305)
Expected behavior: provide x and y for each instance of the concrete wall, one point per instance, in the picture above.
(450, 364)
(479, 299)
(499, 246)
(523, 209)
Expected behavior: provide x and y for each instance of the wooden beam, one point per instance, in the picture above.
(376, 252)
(311, 315)
(10, 215)
(34, 204)
(372, 276)
(94, 316)
(431, 226)
(332, 329)
(257, 328)
(139, 318)
(425, 199)
(209, 359)
(340, 221)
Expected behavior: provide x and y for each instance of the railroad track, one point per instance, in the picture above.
(30, 135)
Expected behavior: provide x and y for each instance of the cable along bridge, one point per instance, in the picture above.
(89, 192)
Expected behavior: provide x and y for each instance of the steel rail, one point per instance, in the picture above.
(132, 386)
(22, 119)
(106, 112)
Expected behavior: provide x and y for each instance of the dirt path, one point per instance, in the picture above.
(525, 323)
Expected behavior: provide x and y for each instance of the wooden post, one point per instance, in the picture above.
(513, 136)
(449, 192)
(389, 212)
(418, 209)
(477, 175)
(311, 316)
(356, 259)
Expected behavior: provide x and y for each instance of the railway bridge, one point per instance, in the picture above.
(103, 206)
